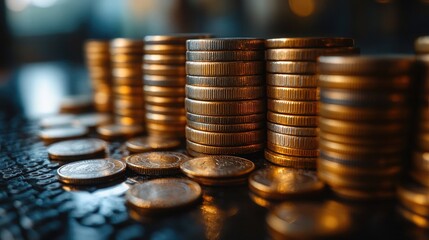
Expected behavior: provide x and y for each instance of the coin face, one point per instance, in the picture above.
(90, 171)
(145, 144)
(156, 162)
(279, 182)
(63, 133)
(163, 194)
(77, 149)
(221, 166)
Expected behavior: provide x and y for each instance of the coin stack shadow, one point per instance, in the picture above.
(364, 123)
(293, 97)
(126, 57)
(97, 57)
(164, 84)
(225, 96)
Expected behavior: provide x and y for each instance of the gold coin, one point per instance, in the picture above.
(225, 108)
(263, 202)
(161, 91)
(165, 110)
(121, 102)
(223, 56)
(290, 161)
(291, 67)
(359, 149)
(360, 129)
(225, 139)
(293, 120)
(162, 195)
(292, 80)
(363, 194)
(219, 182)
(307, 54)
(365, 82)
(294, 131)
(94, 171)
(224, 93)
(96, 46)
(166, 134)
(281, 183)
(165, 118)
(225, 81)
(164, 49)
(420, 160)
(62, 133)
(124, 120)
(138, 51)
(416, 219)
(414, 193)
(127, 65)
(146, 144)
(292, 141)
(125, 43)
(225, 68)
(366, 65)
(164, 101)
(294, 94)
(162, 80)
(242, 127)
(164, 59)
(421, 45)
(127, 72)
(356, 171)
(221, 166)
(156, 163)
(114, 131)
(161, 69)
(225, 120)
(125, 90)
(308, 221)
(220, 44)
(216, 150)
(375, 160)
(175, 38)
(309, 42)
(349, 113)
(166, 127)
(132, 81)
(358, 184)
(293, 107)
(374, 141)
(77, 149)
(130, 112)
(292, 151)
(126, 58)
(58, 120)
(362, 99)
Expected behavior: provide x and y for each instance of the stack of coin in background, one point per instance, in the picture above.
(421, 45)
(164, 84)
(97, 56)
(365, 113)
(225, 96)
(292, 97)
(126, 57)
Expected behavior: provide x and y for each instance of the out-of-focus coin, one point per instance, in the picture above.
(165, 118)
(224, 93)
(225, 81)
(164, 101)
(291, 67)
(216, 150)
(151, 108)
(146, 144)
(225, 68)
(360, 129)
(55, 121)
(225, 108)
(290, 161)
(92, 120)
(77, 149)
(223, 56)
(292, 120)
(309, 42)
(364, 82)
(363, 99)
(279, 182)
(307, 54)
(421, 45)
(162, 69)
(219, 44)
(156, 163)
(295, 94)
(164, 91)
(164, 49)
(125, 43)
(239, 119)
(224, 139)
(307, 220)
(114, 131)
(292, 151)
(416, 219)
(126, 90)
(162, 80)
(243, 127)
(76, 104)
(162, 195)
(94, 171)
(164, 59)
(369, 114)
(221, 166)
(180, 38)
(64, 133)
(96, 46)
(292, 80)
(293, 107)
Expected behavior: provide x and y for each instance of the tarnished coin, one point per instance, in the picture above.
(279, 182)
(146, 144)
(309, 42)
(55, 121)
(92, 120)
(300, 142)
(156, 163)
(64, 133)
(291, 130)
(114, 131)
(221, 166)
(161, 195)
(77, 149)
(91, 171)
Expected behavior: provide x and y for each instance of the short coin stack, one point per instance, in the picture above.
(364, 117)
(126, 57)
(164, 84)
(225, 96)
(97, 57)
(292, 97)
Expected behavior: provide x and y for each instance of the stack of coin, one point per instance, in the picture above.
(225, 96)
(292, 97)
(164, 84)
(97, 56)
(126, 58)
(364, 118)
(422, 45)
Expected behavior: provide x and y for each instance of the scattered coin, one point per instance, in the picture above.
(57, 121)
(64, 133)
(115, 131)
(77, 149)
(146, 144)
(156, 163)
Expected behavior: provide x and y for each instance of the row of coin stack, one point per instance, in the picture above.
(164, 84)
(293, 97)
(225, 96)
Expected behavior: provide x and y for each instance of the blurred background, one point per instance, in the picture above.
(41, 41)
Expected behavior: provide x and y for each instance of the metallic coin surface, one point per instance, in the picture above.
(227, 108)
(290, 161)
(225, 139)
(225, 68)
(55, 121)
(216, 150)
(293, 107)
(225, 81)
(174, 38)
(292, 80)
(239, 119)
(291, 130)
(146, 144)
(293, 120)
(92, 119)
(294, 94)
(77, 149)
(91, 171)
(243, 127)
(309, 42)
(219, 44)
(291, 67)
(301, 142)
(307, 54)
(221, 166)
(223, 56)
(156, 163)
(64, 133)
(113, 131)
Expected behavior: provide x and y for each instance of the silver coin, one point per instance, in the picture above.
(62, 133)
(77, 149)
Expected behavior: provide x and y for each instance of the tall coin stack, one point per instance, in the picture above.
(364, 123)
(164, 84)
(97, 58)
(293, 97)
(126, 57)
(225, 96)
